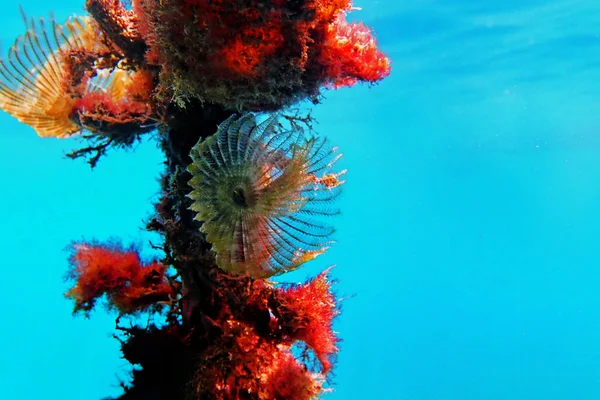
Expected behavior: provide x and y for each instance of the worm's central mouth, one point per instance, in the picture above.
(239, 197)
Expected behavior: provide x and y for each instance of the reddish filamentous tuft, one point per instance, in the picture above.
(350, 54)
(251, 364)
(252, 55)
(129, 284)
(315, 307)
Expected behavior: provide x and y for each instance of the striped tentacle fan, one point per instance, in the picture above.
(263, 193)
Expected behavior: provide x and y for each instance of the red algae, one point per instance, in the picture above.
(315, 307)
(120, 275)
(351, 55)
(257, 55)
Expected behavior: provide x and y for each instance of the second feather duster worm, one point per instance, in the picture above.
(262, 192)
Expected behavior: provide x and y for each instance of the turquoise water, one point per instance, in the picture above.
(467, 249)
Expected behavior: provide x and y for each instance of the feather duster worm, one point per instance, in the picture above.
(35, 78)
(60, 79)
(260, 192)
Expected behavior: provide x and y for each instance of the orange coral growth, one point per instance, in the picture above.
(129, 284)
(315, 308)
(256, 54)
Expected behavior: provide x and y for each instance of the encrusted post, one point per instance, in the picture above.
(247, 190)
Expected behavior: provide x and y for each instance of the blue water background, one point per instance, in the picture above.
(467, 251)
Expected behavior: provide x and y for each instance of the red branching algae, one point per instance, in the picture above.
(350, 55)
(257, 54)
(315, 307)
(245, 346)
(128, 284)
(252, 364)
